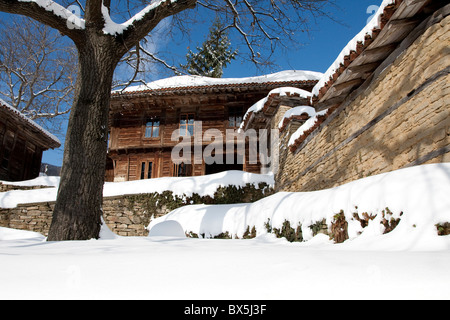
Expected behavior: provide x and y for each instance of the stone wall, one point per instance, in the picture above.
(129, 215)
(124, 215)
(402, 118)
(10, 187)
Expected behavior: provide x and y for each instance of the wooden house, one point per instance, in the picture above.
(148, 122)
(22, 143)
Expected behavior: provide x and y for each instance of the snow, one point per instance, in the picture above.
(170, 228)
(113, 28)
(297, 111)
(202, 185)
(373, 23)
(411, 262)
(199, 81)
(59, 11)
(110, 26)
(12, 234)
(31, 122)
(282, 91)
(48, 181)
(306, 126)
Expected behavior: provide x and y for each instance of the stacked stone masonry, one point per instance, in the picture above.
(124, 215)
(401, 119)
(10, 187)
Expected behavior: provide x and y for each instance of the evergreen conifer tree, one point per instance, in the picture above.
(213, 56)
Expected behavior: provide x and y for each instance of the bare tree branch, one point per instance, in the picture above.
(259, 26)
(37, 70)
(266, 23)
(151, 16)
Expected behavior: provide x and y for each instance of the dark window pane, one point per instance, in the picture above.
(143, 171)
(150, 169)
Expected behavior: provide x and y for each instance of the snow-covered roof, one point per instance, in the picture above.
(13, 111)
(281, 92)
(312, 122)
(189, 81)
(352, 46)
(297, 111)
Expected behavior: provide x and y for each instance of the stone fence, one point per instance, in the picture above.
(10, 187)
(124, 215)
(129, 215)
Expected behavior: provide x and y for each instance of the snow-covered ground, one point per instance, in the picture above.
(176, 268)
(411, 262)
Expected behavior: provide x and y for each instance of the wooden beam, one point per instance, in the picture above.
(375, 54)
(395, 31)
(409, 8)
(363, 68)
(345, 86)
(322, 105)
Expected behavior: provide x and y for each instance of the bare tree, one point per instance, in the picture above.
(37, 70)
(258, 29)
(101, 44)
(266, 24)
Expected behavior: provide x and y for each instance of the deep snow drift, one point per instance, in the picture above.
(419, 196)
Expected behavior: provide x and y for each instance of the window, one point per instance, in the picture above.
(182, 170)
(235, 117)
(143, 171)
(149, 171)
(146, 171)
(187, 124)
(152, 128)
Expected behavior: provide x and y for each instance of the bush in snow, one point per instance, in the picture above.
(339, 228)
(291, 234)
(388, 221)
(158, 204)
(338, 231)
(236, 194)
(443, 229)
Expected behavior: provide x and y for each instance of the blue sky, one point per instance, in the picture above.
(319, 49)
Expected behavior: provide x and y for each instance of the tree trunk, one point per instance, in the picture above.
(78, 209)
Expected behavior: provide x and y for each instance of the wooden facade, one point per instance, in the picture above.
(22, 143)
(143, 122)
